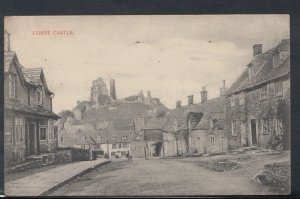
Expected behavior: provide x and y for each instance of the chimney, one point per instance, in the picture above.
(257, 49)
(78, 102)
(190, 99)
(203, 95)
(178, 104)
(223, 89)
(113, 89)
(6, 41)
(148, 93)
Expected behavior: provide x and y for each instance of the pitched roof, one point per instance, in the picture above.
(263, 70)
(8, 59)
(31, 76)
(36, 75)
(153, 135)
(211, 109)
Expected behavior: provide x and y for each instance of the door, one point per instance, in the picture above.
(32, 132)
(198, 145)
(243, 134)
(223, 144)
(253, 132)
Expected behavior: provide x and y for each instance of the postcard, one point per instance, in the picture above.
(147, 105)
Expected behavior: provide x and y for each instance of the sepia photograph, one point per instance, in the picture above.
(147, 105)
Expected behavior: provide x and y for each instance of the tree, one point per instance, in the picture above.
(64, 114)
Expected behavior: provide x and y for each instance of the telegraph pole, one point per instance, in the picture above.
(107, 143)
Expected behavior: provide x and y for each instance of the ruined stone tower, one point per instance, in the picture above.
(113, 89)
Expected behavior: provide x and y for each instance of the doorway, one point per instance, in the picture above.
(253, 132)
(31, 141)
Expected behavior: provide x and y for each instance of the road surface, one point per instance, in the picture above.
(159, 177)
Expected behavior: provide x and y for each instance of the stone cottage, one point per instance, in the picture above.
(258, 102)
(201, 126)
(28, 116)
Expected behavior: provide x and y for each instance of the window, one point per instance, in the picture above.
(265, 126)
(113, 153)
(114, 146)
(113, 137)
(125, 145)
(233, 128)
(213, 123)
(264, 92)
(212, 141)
(232, 101)
(242, 99)
(119, 145)
(124, 138)
(278, 127)
(83, 138)
(12, 86)
(19, 125)
(99, 138)
(40, 96)
(278, 88)
(61, 139)
(8, 129)
(43, 135)
(8, 134)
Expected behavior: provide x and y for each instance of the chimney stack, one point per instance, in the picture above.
(178, 104)
(203, 95)
(6, 41)
(223, 89)
(148, 93)
(190, 99)
(113, 89)
(257, 49)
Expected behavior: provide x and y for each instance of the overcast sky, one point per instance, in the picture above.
(172, 56)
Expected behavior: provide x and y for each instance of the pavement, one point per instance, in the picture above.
(43, 183)
(164, 178)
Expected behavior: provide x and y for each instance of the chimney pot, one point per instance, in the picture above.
(148, 93)
(257, 49)
(190, 99)
(203, 95)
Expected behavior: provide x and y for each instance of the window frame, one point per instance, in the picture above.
(19, 129)
(232, 101)
(265, 126)
(242, 99)
(280, 93)
(263, 92)
(12, 78)
(233, 128)
(212, 141)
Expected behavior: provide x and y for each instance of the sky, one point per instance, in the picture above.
(173, 56)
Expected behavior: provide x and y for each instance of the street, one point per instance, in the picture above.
(160, 177)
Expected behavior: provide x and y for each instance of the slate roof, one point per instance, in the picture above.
(8, 58)
(40, 111)
(31, 76)
(153, 135)
(211, 109)
(263, 69)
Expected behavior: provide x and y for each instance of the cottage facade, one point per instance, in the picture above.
(258, 102)
(28, 116)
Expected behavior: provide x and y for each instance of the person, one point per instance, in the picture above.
(127, 155)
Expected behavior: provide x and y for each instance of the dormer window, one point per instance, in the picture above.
(12, 86)
(40, 96)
